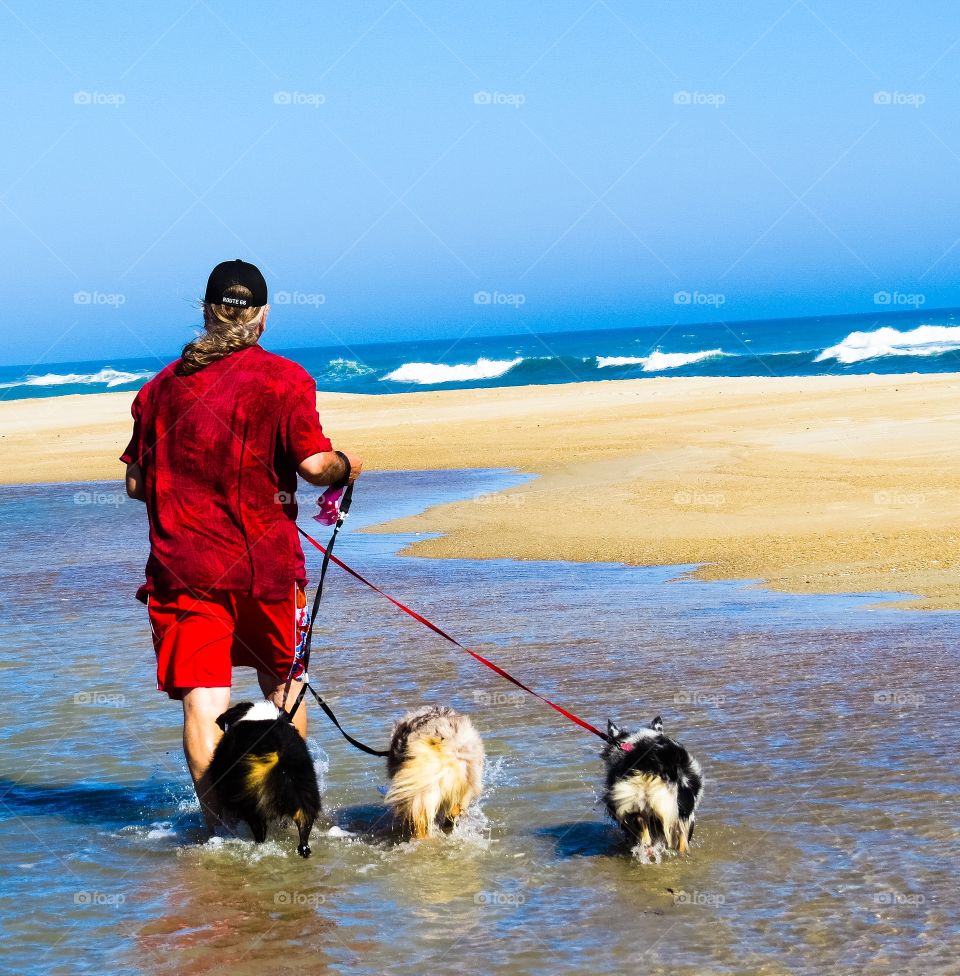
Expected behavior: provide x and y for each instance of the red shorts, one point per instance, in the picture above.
(201, 638)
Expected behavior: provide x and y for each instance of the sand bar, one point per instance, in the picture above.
(811, 484)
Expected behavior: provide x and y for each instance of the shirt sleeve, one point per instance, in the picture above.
(301, 434)
(134, 452)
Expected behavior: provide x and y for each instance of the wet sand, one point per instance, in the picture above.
(811, 484)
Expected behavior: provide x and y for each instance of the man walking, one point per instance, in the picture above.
(219, 437)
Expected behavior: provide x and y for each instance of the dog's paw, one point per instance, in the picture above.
(303, 850)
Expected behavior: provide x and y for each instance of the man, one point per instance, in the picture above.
(219, 438)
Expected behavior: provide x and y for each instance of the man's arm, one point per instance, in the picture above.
(325, 469)
(135, 487)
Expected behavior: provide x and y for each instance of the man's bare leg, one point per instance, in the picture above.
(273, 691)
(201, 709)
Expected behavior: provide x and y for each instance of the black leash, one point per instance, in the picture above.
(328, 711)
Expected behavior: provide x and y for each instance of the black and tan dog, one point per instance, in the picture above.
(435, 767)
(653, 786)
(261, 771)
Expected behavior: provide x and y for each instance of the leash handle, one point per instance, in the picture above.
(345, 503)
(324, 566)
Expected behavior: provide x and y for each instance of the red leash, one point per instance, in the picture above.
(442, 633)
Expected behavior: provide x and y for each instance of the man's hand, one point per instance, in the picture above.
(356, 466)
(327, 469)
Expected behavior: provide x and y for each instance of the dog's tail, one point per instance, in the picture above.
(646, 805)
(437, 775)
(260, 778)
(280, 788)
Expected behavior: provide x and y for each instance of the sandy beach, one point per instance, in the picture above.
(811, 484)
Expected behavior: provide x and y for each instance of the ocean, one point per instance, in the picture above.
(893, 342)
(826, 841)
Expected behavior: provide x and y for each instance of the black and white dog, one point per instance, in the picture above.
(261, 771)
(653, 786)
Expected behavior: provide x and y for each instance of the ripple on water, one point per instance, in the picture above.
(824, 842)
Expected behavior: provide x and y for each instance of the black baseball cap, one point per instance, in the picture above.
(237, 272)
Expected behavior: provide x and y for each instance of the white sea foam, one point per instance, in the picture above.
(107, 376)
(161, 829)
(925, 340)
(430, 373)
(658, 361)
(603, 361)
(238, 849)
(348, 368)
(158, 830)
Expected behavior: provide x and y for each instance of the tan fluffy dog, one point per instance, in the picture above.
(435, 767)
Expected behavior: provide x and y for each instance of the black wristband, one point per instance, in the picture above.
(345, 480)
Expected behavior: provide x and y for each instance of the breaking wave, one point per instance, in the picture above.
(347, 369)
(658, 361)
(108, 376)
(427, 374)
(925, 340)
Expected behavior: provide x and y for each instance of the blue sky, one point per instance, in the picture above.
(385, 162)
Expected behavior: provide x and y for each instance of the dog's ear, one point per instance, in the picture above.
(657, 724)
(614, 731)
(232, 714)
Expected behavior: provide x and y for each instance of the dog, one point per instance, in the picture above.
(261, 771)
(435, 764)
(653, 786)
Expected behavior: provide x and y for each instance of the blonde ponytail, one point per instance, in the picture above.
(227, 328)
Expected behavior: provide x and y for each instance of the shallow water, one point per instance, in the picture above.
(827, 839)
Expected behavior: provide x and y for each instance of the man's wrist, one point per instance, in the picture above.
(344, 478)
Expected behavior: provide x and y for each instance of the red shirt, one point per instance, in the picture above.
(219, 450)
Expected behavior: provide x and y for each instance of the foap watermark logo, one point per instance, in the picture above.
(900, 697)
(110, 298)
(693, 697)
(500, 499)
(900, 299)
(910, 898)
(708, 99)
(713, 298)
(491, 699)
(109, 899)
(899, 499)
(285, 498)
(299, 99)
(300, 899)
(706, 898)
(908, 99)
(314, 298)
(511, 299)
(510, 99)
(499, 899)
(110, 499)
(695, 498)
(99, 98)
(100, 699)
